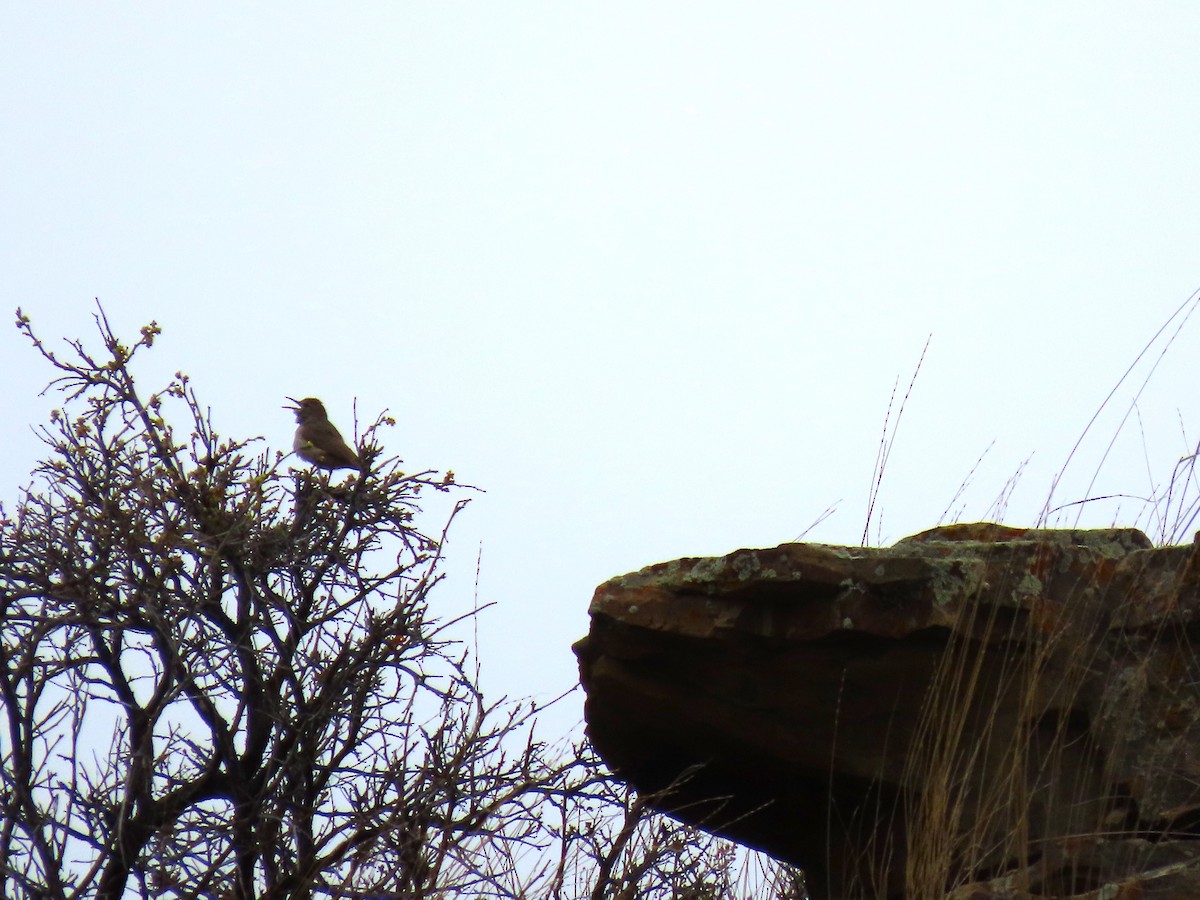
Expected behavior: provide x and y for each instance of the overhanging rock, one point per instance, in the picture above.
(978, 709)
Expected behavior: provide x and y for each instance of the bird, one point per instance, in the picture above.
(317, 441)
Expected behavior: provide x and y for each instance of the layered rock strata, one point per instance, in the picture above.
(977, 709)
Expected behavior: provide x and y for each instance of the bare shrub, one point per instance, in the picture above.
(221, 677)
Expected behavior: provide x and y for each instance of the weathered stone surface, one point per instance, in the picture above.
(976, 708)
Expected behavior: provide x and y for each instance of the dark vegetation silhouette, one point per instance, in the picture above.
(220, 677)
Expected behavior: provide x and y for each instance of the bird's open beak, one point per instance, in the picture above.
(295, 401)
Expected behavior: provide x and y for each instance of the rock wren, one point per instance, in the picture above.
(317, 441)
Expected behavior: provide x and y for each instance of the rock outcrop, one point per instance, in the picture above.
(977, 711)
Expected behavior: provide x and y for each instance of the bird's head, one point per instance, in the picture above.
(307, 409)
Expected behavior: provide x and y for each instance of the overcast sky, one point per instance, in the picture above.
(645, 273)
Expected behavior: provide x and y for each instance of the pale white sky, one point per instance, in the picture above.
(645, 272)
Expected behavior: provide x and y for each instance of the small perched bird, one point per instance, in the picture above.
(317, 440)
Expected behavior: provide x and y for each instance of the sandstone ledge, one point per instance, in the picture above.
(999, 689)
